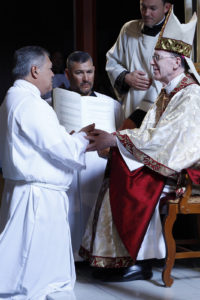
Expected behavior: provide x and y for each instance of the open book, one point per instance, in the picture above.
(75, 111)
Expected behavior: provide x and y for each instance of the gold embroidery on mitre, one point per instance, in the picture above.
(176, 46)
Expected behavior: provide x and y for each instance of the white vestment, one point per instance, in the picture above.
(38, 159)
(133, 51)
(85, 187)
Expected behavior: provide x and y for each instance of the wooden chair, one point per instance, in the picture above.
(197, 66)
(178, 249)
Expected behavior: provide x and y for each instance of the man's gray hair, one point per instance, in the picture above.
(78, 57)
(183, 63)
(25, 58)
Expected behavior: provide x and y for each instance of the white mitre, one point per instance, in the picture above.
(178, 38)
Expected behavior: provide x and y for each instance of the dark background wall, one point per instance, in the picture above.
(51, 26)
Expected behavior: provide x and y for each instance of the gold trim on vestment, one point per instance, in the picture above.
(106, 262)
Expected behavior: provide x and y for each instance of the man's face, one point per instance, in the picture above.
(153, 11)
(45, 76)
(164, 65)
(81, 77)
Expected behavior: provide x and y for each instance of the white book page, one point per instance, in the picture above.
(75, 111)
(67, 106)
(100, 111)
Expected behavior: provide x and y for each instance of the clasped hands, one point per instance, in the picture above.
(98, 139)
(138, 80)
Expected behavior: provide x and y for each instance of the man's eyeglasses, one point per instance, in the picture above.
(157, 57)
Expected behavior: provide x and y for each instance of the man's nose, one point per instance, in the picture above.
(85, 77)
(152, 62)
(146, 12)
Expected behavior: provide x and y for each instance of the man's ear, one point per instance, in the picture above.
(34, 71)
(67, 73)
(177, 62)
(167, 6)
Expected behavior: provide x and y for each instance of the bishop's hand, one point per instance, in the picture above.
(100, 139)
(88, 129)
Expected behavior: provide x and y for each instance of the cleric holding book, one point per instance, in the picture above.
(86, 183)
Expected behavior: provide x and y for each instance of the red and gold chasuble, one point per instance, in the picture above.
(134, 195)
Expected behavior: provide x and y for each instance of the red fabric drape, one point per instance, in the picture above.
(194, 175)
(133, 198)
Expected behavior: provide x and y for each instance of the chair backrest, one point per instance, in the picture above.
(197, 66)
(190, 202)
